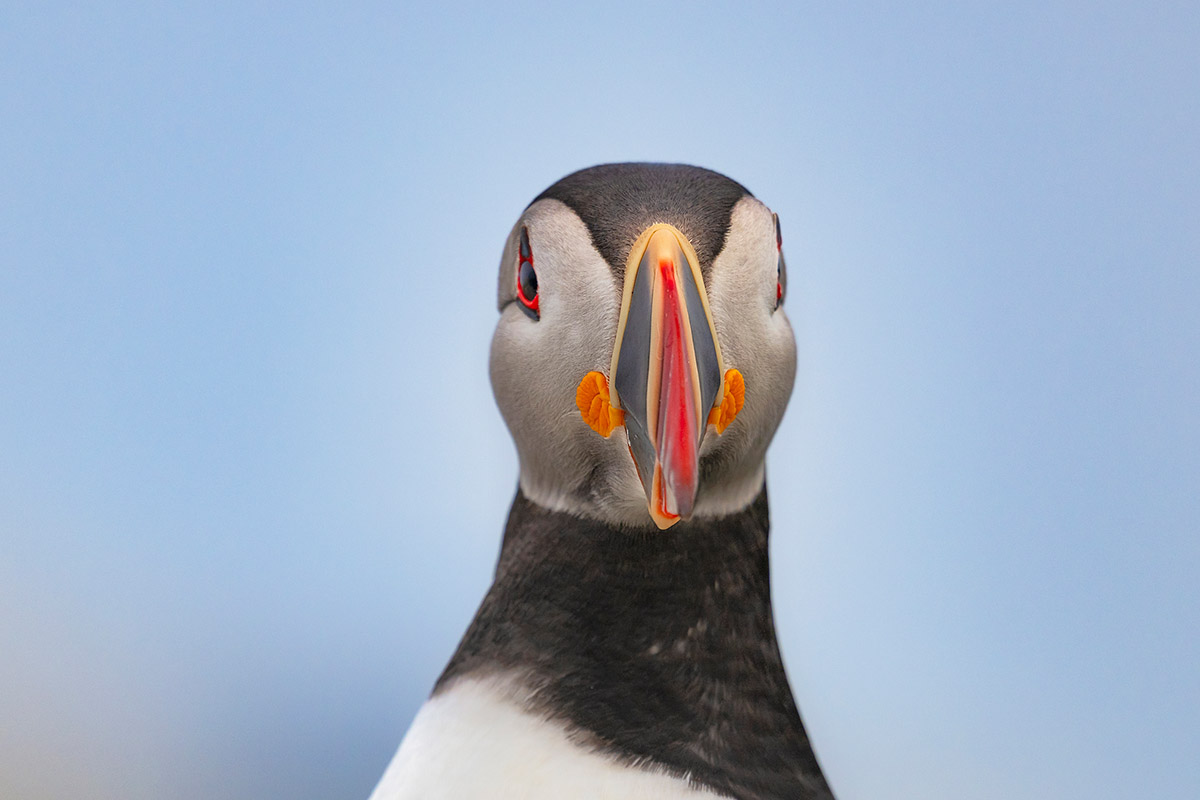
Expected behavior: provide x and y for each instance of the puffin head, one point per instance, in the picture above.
(643, 359)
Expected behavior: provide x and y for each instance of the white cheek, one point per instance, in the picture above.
(754, 335)
(537, 365)
(756, 339)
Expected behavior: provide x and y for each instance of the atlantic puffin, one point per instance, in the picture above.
(626, 648)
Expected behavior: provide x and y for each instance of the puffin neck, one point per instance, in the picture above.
(650, 646)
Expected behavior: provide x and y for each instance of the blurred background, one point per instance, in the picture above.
(252, 480)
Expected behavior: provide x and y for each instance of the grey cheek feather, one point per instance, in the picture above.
(536, 367)
(756, 340)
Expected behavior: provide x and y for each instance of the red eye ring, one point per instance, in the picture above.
(527, 284)
(780, 269)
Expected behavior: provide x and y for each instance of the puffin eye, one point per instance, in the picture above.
(527, 284)
(781, 268)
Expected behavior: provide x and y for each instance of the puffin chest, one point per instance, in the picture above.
(472, 741)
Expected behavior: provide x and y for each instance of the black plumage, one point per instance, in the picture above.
(618, 201)
(651, 646)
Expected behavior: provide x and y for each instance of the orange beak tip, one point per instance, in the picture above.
(664, 521)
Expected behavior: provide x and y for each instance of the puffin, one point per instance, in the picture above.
(626, 648)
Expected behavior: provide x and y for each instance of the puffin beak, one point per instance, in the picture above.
(666, 368)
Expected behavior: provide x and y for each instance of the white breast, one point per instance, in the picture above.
(473, 741)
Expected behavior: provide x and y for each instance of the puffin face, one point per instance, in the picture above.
(643, 359)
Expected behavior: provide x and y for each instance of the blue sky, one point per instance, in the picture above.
(252, 481)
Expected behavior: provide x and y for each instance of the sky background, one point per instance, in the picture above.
(252, 480)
